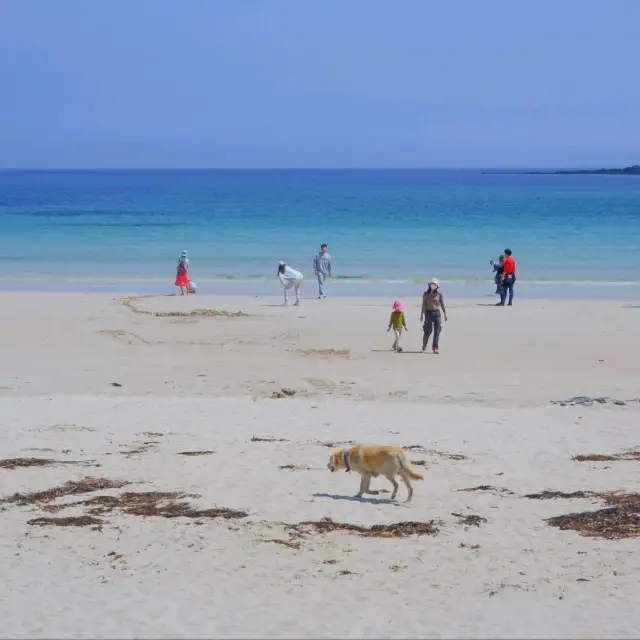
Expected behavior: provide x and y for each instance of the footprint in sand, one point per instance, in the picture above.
(125, 336)
(330, 387)
(70, 427)
(322, 384)
(327, 353)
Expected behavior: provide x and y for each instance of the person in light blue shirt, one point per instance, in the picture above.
(322, 268)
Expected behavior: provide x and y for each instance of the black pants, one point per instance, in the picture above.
(507, 287)
(432, 323)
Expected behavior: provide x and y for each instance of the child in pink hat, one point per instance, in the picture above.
(398, 323)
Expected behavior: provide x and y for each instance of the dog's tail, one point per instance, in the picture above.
(407, 468)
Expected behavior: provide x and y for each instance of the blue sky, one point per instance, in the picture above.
(319, 83)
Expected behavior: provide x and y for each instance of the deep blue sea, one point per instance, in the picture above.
(387, 231)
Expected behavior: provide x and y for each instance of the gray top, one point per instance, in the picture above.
(322, 263)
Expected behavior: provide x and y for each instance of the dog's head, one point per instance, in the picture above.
(336, 460)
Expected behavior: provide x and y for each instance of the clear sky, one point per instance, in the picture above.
(319, 83)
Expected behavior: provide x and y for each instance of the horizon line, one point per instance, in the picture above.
(305, 169)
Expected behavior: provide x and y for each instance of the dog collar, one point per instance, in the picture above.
(345, 459)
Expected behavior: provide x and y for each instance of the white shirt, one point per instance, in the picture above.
(289, 277)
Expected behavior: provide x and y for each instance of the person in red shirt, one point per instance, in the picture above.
(508, 278)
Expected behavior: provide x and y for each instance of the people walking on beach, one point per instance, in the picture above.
(398, 323)
(508, 278)
(322, 268)
(182, 273)
(433, 308)
(290, 279)
(497, 270)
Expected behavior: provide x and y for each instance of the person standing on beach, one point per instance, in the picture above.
(433, 309)
(182, 273)
(322, 268)
(508, 278)
(497, 269)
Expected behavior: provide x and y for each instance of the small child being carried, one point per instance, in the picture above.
(398, 323)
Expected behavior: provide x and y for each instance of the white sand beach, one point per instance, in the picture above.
(119, 389)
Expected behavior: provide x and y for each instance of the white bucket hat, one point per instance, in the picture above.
(434, 281)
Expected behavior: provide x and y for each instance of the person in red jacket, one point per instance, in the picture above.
(508, 278)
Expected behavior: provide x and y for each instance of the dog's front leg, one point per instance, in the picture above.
(372, 492)
(364, 485)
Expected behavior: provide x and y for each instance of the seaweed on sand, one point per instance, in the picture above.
(615, 457)
(396, 530)
(470, 520)
(613, 523)
(72, 521)
(621, 518)
(157, 503)
(195, 453)
(71, 488)
(21, 463)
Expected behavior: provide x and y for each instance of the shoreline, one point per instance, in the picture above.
(339, 288)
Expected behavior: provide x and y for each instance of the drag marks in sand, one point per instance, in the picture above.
(131, 304)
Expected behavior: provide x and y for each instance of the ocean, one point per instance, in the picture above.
(388, 231)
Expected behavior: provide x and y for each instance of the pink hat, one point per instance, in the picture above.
(398, 306)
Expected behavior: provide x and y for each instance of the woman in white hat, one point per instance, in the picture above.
(432, 311)
(290, 278)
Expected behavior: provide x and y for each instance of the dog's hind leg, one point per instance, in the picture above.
(391, 478)
(404, 475)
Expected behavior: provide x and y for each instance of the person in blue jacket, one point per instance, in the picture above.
(497, 269)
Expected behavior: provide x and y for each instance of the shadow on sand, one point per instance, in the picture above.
(284, 306)
(428, 353)
(334, 496)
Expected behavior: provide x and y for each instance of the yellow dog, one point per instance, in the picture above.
(370, 461)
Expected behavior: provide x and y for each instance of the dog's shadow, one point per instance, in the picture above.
(334, 496)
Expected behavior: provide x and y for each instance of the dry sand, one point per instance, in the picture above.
(192, 415)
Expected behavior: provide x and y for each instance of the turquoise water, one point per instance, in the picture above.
(386, 230)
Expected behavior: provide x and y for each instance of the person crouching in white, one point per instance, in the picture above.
(290, 279)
